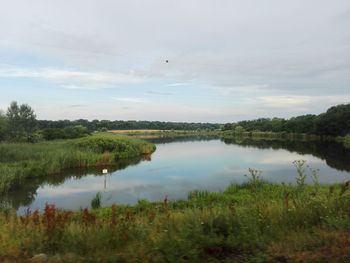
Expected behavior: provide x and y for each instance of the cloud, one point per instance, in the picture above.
(131, 99)
(239, 59)
(65, 75)
(242, 89)
(289, 101)
(159, 93)
(177, 84)
(76, 87)
(285, 101)
(77, 105)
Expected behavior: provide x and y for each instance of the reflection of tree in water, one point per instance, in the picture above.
(26, 193)
(335, 154)
(181, 138)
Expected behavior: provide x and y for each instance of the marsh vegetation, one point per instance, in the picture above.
(251, 222)
(20, 161)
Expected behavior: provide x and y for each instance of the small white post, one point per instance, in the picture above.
(105, 171)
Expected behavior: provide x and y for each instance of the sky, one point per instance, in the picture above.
(174, 60)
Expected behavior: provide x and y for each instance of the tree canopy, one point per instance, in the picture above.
(334, 122)
(19, 124)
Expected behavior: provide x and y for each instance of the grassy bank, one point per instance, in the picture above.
(225, 134)
(19, 162)
(166, 133)
(252, 222)
(276, 135)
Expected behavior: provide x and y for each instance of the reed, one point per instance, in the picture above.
(252, 222)
(19, 162)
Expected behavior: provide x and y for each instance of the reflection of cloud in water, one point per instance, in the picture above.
(159, 169)
(285, 157)
(178, 168)
(198, 149)
(86, 185)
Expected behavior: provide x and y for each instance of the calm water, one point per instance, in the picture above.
(181, 165)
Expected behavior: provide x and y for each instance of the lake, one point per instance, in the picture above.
(180, 165)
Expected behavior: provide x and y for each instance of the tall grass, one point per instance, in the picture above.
(19, 162)
(253, 222)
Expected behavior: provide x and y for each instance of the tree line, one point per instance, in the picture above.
(334, 122)
(19, 124)
(98, 125)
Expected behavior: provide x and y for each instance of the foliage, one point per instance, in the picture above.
(334, 153)
(121, 147)
(253, 222)
(21, 161)
(334, 122)
(70, 132)
(3, 126)
(104, 125)
(21, 123)
(96, 201)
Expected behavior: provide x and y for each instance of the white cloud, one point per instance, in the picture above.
(270, 57)
(69, 76)
(242, 89)
(292, 101)
(285, 101)
(131, 99)
(177, 84)
(76, 87)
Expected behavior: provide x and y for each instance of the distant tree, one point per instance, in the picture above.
(239, 129)
(75, 132)
(3, 126)
(335, 121)
(227, 127)
(21, 122)
(70, 132)
(277, 124)
(52, 134)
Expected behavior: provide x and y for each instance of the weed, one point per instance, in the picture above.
(253, 222)
(300, 165)
(96, 201)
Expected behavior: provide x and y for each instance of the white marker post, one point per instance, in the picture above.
(105, 171)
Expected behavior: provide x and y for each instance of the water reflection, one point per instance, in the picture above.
(183, 138)
(182, 164)
(27, 192)
(335, 154)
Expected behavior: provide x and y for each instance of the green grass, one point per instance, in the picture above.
(252, 222)
(19, 162)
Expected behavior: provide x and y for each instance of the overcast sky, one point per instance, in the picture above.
(228, 60)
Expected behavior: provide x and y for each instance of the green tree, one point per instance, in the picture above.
(22, 122)
(239, 129)
(3, 126)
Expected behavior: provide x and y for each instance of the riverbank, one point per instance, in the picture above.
(251, 222)
(226, 134)
(150, 134)
(19, 162)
